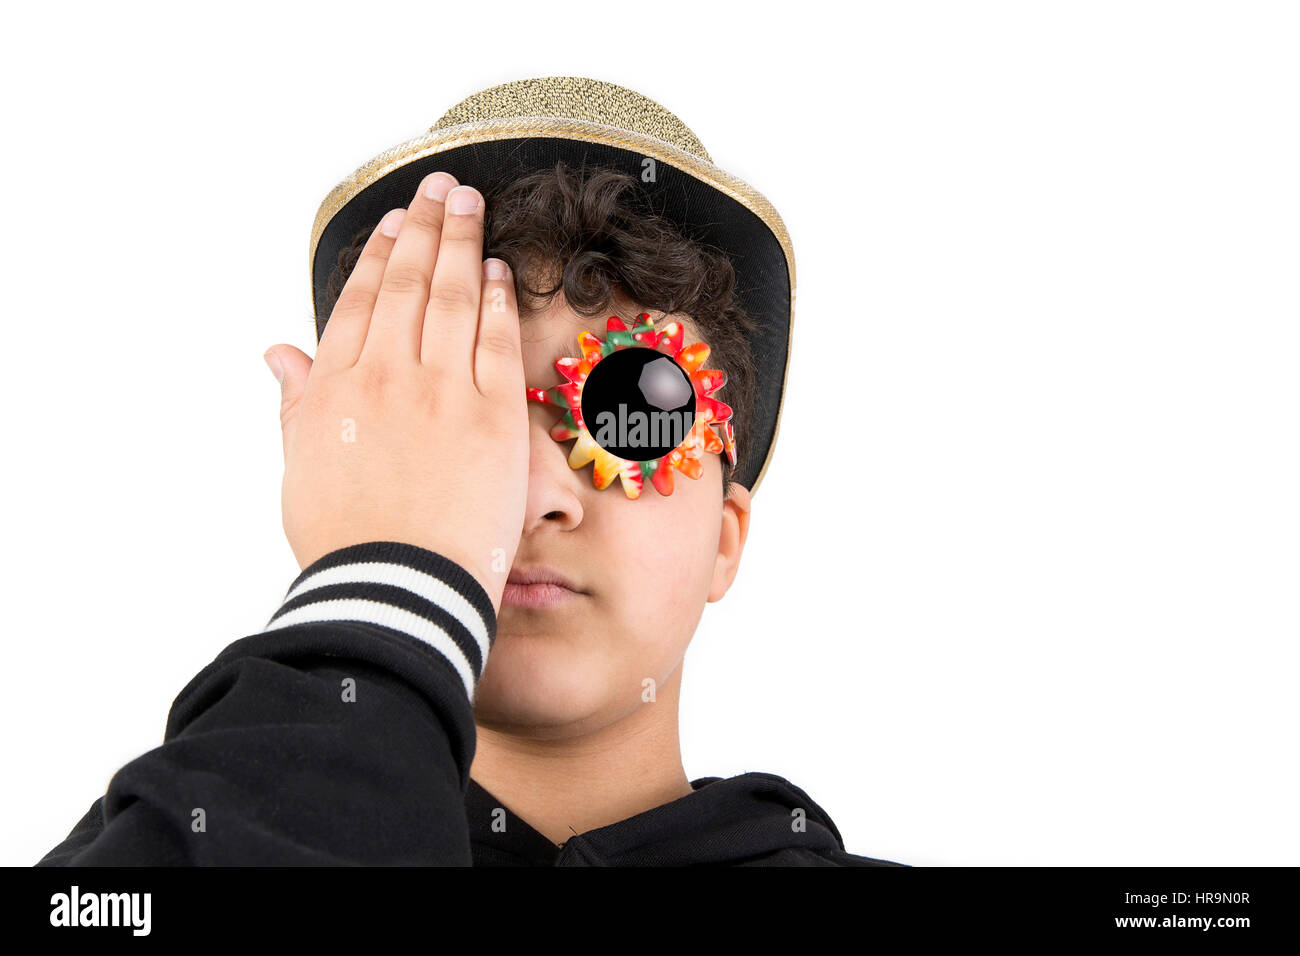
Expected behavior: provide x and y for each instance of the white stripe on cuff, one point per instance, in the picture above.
(375, 612)
(431, 588)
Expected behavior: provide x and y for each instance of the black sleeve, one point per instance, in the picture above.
(341, 734)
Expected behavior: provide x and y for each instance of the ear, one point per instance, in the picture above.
(731, 540)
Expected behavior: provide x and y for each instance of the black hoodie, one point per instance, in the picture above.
(344, 732)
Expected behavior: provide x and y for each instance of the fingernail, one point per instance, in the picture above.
(463, 200)
(494, 269)
(274, 365)
(437, 185)
(392, 222)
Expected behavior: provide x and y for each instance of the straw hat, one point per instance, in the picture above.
(526, 125)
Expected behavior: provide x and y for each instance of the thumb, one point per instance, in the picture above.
(290, 366)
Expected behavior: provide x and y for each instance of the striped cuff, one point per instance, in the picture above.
(403, 587)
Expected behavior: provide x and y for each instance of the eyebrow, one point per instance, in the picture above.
(571, 348)
(563, 351)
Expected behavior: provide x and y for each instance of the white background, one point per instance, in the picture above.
(1021, 586)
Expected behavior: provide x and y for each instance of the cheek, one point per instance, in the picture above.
(663, 568)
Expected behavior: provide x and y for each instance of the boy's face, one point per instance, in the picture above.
(647, 565)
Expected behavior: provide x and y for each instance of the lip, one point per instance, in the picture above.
(538, 587)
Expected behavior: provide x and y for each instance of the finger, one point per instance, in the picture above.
(451, 322)
(398, 318)
(292, 367)
(345, 332)
(498, 355)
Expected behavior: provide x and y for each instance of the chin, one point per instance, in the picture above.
(537, 687)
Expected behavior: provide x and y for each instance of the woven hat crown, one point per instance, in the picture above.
(578, 98)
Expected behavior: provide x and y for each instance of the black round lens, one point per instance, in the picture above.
(638, 403)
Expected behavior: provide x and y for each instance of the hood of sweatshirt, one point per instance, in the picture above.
(750, 819)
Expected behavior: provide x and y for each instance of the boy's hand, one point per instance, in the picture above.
(412, 423)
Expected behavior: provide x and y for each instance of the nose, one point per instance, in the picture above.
(552, 485)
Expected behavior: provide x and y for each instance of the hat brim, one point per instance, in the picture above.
(711, 205)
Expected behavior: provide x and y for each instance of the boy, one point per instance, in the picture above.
(438, 515)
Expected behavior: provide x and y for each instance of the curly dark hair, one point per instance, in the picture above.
(593, 234)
